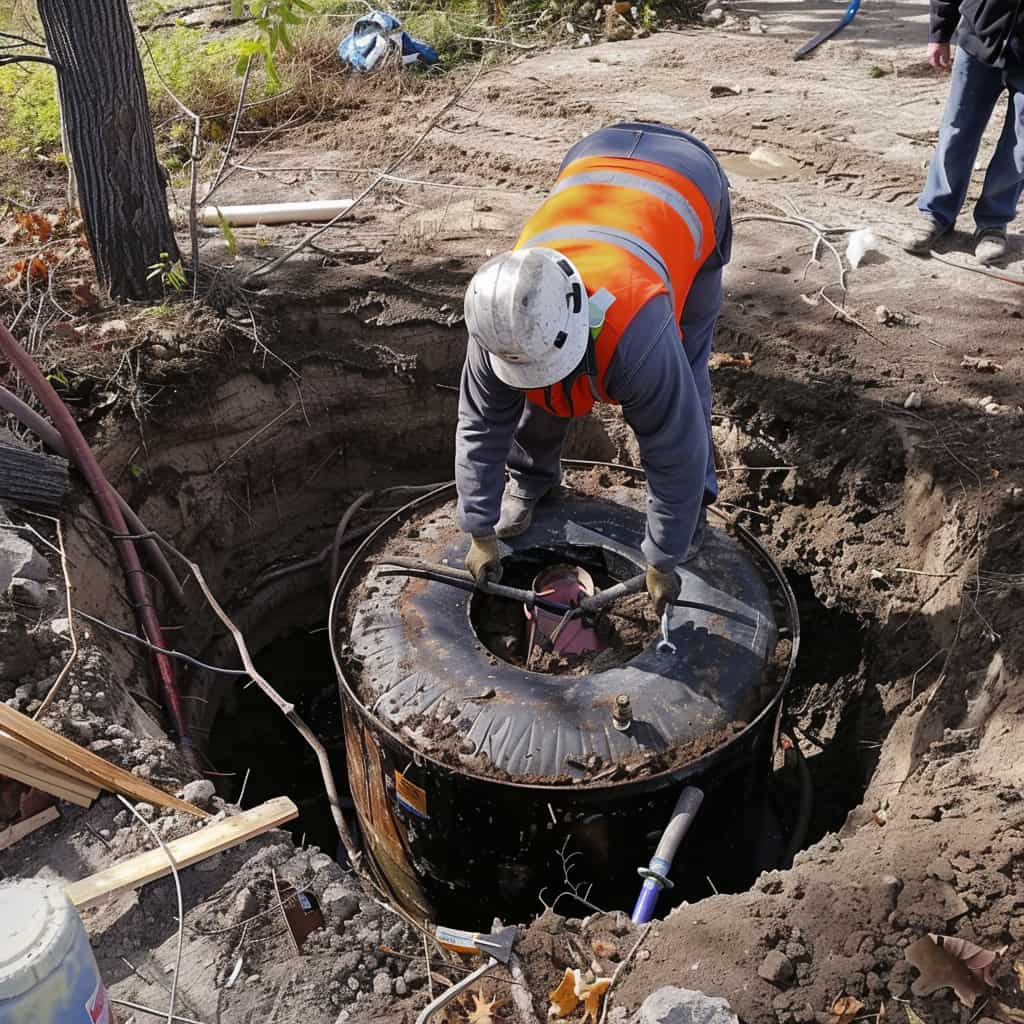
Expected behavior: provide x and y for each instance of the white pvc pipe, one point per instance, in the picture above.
(274, 213)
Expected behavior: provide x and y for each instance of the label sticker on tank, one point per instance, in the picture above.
(410, 796)
(97, 1006)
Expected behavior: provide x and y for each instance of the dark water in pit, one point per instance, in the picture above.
(254, 735)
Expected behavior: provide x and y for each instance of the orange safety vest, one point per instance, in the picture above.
(634, 229)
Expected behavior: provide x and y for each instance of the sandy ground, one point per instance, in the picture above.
(904, 520)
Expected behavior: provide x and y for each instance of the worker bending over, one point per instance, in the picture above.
(611, 295)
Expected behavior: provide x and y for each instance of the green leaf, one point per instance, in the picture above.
(136, 471)
(268, 58)
(229, 235)
(285, 41)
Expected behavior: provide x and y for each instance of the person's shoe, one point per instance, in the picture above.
(516, 515)
(990, 245)
(920, 238)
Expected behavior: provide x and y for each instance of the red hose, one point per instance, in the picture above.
(106, 501)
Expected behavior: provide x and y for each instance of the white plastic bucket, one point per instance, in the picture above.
(48, 974)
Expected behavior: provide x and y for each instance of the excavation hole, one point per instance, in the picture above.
(250, 735)
(534, 640)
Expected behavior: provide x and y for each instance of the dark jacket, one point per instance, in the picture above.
(991, 30)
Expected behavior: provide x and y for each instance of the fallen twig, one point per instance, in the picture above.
(622, 966)
(249, 440)
(51, 695)
(987, 271)
(391, 168)
(152, 1012)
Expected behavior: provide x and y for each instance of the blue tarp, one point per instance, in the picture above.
(372, 36)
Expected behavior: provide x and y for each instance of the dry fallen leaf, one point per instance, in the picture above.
(1018, 968)
(483, 1009)
(719, 359)
(912, 1017)
(948, 962)
(564, 999)
(844, 1009)
(1006, 1013)
(591, 996)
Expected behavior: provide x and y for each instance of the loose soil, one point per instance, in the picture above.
(901, 523)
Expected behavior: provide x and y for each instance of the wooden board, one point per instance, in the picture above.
(84, 763)
(26, 764)
(61, 787)
(148, 866)
(10, 835)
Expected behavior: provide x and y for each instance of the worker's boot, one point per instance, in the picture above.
(923, 235)
(990, 245)
(516, 514)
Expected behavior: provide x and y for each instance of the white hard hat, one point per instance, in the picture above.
(528, 308)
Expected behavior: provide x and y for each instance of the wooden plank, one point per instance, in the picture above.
(16, 756)
(14, 747)
(10, 835)
(47, 782)
(82, 762)
(151, 865)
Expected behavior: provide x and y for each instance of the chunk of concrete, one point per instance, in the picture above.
(18, 557)
(671, 1005)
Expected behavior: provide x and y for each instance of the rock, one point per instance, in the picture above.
(671, 1005)
(60, 627)
(381, 984)
(353, 983)
(320, 861)
(19, 558)
(713, 16)
(199, 792)
(28, 592)
(81, 731)
(246, 903)
(777, 968)
(159, 351)
(339, 903)
(112, 327)
(756, 26)
(913, 400)
(401, 987)
(147, 812)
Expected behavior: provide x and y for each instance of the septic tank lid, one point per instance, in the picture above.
(37, 928)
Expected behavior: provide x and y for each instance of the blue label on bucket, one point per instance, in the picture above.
(411, 797)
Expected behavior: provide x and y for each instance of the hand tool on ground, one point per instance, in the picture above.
(665, 646)
(655, 875)
(497, 947)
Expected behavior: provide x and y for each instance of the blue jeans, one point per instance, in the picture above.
(974, 90)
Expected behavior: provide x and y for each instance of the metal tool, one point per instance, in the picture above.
(588, 607)
(497, 947)
(665, 646)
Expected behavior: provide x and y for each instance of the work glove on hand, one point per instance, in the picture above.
(482, 559)
(663, 588)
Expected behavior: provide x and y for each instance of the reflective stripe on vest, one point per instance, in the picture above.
(665, 193)
(634, 228)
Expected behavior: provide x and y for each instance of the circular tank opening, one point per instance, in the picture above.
(537, 640)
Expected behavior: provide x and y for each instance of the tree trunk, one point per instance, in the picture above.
(103, 101)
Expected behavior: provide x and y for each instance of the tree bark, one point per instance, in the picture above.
(104, 104)
(31, 478)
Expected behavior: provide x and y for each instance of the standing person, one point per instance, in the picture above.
(611, 294)
(989, 61)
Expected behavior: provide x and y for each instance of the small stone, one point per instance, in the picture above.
(81, 730)
(342, 1017)
(353, 983)
(159, 351)
(339, 902)
(19, 558)
(756, 26)
(320, 861)
(147, 812)
(777, 968)
(28, 592)
(199, 792)
(381, 985)
(60, 627)
(105, 832)
(913, 400)
(713, 16)
(671, 1005)
(246, 903)
(401, 987)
